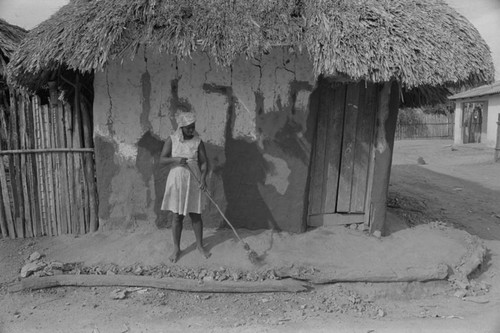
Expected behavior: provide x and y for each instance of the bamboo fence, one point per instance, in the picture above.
(47, 174)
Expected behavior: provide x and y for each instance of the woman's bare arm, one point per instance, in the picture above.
(203, 160)
(166, 154)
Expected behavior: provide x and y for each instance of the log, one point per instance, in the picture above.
(267, 286)
(410, 274)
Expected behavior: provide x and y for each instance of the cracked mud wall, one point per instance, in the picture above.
(253, 118)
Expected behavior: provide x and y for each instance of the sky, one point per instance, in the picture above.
(484, 14)
(28, 13)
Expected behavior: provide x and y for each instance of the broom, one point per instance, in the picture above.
(252, 255)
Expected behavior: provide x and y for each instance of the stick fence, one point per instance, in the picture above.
(47, 174)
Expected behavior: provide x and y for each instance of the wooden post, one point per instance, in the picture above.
(30, 141)
(15, 170)
(6, 202)
(52, 222)
(458, 130)
(384, 144)
(65, 203)
(77, 143)
(3, 220)
(27, 222)
(89, 169)
(40, 160)
(6, 224)
(497, 147)
(68, 124)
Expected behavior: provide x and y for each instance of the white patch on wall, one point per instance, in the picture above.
(302, 101)
(279, 176)
(244, 124)
(101, 130)
(127, 151)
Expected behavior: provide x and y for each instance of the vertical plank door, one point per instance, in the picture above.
(341, 153)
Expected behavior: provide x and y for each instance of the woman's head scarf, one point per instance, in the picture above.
(185, 119)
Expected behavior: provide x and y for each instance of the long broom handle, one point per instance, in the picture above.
(216, 205)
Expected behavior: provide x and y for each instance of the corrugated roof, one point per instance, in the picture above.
(490, 89)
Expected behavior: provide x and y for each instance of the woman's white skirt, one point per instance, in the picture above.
(182, 191)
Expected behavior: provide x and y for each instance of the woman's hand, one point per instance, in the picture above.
(182, 161)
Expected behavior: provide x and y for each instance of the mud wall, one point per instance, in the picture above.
(253, 118)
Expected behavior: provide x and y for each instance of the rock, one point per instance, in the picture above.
(31, 268)
(202, 274)
(421, 161)
(460, 293)
(208, 279)
(377, 233)
(110, 273)
(57, 272)
(380, 313)
(353, 226)
(34, 256)
(56, 265)
(118, 294)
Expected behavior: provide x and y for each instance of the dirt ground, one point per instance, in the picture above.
(441, 197)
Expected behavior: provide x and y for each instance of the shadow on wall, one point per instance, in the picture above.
(244, 169)
(147, 162)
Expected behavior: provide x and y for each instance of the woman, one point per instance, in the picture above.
(186, 154)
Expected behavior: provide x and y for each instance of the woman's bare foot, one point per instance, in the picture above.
(204, 252)
(174, 256)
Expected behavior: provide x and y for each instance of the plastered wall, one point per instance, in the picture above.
(252, 116)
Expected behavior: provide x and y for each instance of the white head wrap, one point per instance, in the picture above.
(185, 119)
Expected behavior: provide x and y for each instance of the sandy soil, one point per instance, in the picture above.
(440, 195)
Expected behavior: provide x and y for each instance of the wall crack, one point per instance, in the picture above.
(109, 122)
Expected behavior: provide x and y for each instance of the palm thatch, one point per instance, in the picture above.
(10, 37)
(419, 42)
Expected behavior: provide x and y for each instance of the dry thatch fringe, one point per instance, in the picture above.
(420, 43)
(10, 37)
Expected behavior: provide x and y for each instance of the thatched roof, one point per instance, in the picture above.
(10, 37)
(418, 42)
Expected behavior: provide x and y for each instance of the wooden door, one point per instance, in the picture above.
(472, 123)
(340, 165)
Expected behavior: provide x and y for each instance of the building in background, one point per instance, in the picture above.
(476, 115)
